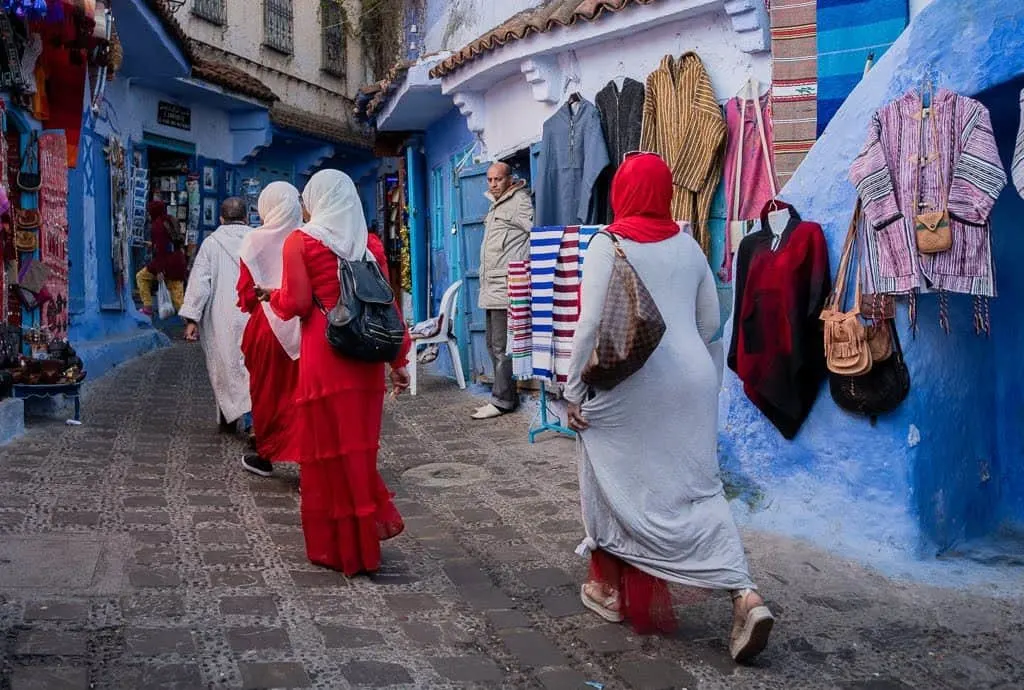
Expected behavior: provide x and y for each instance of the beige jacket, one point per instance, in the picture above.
(506, 239)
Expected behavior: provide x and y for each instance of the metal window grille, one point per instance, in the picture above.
(332, 23)
(211, 10)
(277, 25)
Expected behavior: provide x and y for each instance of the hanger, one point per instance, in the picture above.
(778, 220)
(620, 75)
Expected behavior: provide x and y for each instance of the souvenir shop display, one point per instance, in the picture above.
(749, 172)
(1017, 169)
(53, 233)
(12, 303)
(29, 177)
(519, 322)
(119, 215)
(573, 155)
(928, 177)
(139, 197)
(622, 111)
(53, 362)
(782, 284)
(683, 124)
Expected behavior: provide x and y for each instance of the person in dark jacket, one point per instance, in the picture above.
(168, 260)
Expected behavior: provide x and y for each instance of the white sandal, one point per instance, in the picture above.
(608, 607)
(750, 634)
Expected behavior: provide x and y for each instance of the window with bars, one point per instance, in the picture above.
(211, 10)
(277, 25)
(332, 37)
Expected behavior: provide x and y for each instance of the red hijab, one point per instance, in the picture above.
(642, 199)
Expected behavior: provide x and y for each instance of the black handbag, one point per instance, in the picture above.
(365, 324)
(29, 177)
(880, 390)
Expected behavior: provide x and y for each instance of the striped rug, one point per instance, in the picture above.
(794, 82)
(848, 31)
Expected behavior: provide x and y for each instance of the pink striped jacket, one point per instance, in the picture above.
(968, 167)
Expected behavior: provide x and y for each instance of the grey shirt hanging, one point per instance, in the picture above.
(573, 154)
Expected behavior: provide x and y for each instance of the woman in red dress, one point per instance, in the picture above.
(346, 508)
(270, 344)
(168, 260)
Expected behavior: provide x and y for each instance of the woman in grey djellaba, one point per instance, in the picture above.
(653, 503)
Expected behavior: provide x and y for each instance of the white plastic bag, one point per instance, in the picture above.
(164, 305)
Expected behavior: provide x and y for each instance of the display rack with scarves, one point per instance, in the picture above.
(53, 233)
(13, 164)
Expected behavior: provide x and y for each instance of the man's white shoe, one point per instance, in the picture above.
(488, 411)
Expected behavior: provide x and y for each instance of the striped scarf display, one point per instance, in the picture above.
(519, 340)
(794, 83)
(556, 264)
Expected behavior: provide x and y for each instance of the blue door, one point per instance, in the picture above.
(472, 208)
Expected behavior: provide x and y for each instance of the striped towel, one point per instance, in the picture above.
(519, 340)
(566, 300)
(544, 243)
(848, 31)
(794, 83)
(1017, 167)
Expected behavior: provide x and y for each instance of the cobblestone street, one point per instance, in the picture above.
(136, 553)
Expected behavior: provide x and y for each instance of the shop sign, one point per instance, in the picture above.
(173, 115)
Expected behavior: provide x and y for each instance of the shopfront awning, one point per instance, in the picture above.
(409, 100)
(150, 50)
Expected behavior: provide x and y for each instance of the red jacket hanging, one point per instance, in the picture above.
(777, 345)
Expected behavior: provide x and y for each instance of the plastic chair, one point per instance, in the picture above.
(446, 336)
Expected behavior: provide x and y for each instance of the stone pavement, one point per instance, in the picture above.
(135, 553)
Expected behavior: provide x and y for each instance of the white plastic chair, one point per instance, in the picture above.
(446, 336)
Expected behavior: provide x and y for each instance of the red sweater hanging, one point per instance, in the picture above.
(777, 345)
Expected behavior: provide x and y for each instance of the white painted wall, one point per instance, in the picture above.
(917, 5)
(513, 119)
(296, 79)
(461, 21)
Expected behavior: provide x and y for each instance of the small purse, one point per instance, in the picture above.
(26, 241)
(27, 218)
(932, 229)
(29, 178)
(631, 327)
(934, 235)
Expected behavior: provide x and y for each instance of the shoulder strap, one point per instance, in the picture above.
(764, 144)
(842, 275)
(737, 176)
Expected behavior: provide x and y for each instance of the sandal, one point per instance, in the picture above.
(750, 633)
(606, 606)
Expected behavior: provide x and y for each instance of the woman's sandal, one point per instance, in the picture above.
(750, 633)
(606, 606)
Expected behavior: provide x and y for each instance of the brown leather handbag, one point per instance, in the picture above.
(26, 241)
(848, 350)
(27, 218)
(932, 230)
(631, 327)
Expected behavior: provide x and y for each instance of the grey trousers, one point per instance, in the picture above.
(504, 394)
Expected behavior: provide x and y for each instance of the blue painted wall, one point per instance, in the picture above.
(944, 469)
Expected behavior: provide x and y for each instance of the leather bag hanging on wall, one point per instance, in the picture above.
(932, 230)
(29, 178)
(846, 338)
(631, 327)
(879, 391)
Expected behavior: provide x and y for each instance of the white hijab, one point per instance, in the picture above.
(336, 214)
(263, 249)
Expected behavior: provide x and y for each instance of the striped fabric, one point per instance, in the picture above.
(683, 123)
(847, 32)
(966, 177)
(556, 260)
(794, 83)
(1017, 168)
(519, 340)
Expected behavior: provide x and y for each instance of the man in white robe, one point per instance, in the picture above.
(211, 309)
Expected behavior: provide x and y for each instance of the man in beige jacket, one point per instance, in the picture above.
(506, 239)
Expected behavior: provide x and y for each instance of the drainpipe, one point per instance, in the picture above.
(417, 197)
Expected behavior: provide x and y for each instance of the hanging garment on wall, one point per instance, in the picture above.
(777, 348)
(1018, 152)
(622, 113)
(749, 173)
(572, 156)
(53, 234)
(65, 87)
(684, 125)
(13, 162)
(964, 176)
(556, 262)
(519, 332)
(794, 83)
(847, 32)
